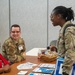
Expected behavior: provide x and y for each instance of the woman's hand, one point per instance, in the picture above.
(6, 68)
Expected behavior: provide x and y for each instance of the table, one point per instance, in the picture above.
(32, 59)
(33, 52)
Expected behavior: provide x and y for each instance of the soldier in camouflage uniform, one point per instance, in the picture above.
(13, 48)
(62, 16)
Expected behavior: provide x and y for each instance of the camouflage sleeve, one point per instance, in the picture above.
(69, 39)
(69, 49)
(4, 47)
(8, 54)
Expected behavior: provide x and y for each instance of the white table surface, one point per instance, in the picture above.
(33, 52)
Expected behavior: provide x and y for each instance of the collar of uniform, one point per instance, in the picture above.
(15, 42)
(68, 22)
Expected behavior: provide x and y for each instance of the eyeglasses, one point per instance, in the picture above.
(15, 31)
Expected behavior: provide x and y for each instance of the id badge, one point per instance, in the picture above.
(20, 47)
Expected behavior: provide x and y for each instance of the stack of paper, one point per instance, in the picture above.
(43, 69)
(52, 66)
(37, 74)
(22, 72)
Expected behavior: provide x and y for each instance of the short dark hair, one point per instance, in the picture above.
(15, 25)
(66, 13)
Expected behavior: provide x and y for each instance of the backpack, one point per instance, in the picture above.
(66, 27)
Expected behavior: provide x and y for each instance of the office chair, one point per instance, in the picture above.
(53, 42)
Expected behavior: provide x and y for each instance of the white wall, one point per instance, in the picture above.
(31, 15)
(34, 18)
(4, 21)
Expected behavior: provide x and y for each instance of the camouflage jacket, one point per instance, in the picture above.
(12, 50)
(66, 42)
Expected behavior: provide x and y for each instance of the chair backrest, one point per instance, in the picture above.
(53, 42)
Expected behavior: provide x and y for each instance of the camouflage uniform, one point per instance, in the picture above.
(66, 47)
(13, 51)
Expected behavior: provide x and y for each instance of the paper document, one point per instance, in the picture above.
(27, 65)
(38, 74)
(47, 65)
(43, 70)
(22, 72)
